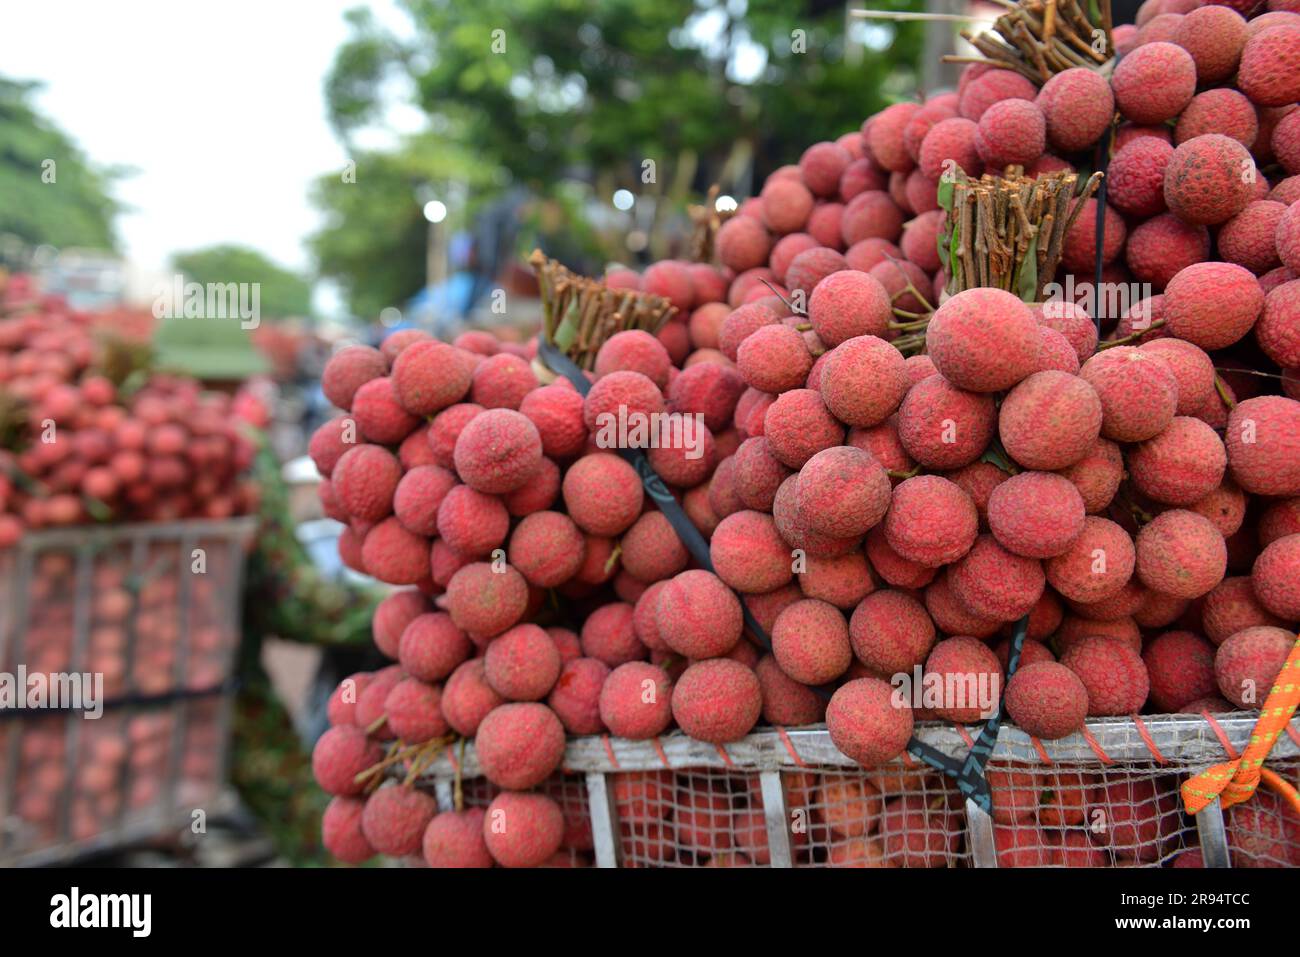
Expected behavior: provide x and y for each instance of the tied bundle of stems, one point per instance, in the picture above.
(579, 314)
(1041, 38)
(1007, 231)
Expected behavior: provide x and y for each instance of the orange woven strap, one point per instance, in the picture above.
(1235, 781)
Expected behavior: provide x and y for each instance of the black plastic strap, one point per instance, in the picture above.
(130, 700)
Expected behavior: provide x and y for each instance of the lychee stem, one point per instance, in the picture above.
(1131, 337)
(1221, 387)
(911, 473)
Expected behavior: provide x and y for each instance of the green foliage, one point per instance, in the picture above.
(64, 204)
(590, 90)
(283, 292)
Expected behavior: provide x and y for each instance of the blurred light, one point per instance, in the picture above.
(726, 204)
(637, 240)
(435, 211)
(623, 199)
(390, 316)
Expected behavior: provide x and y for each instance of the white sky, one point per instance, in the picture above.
(219, 107)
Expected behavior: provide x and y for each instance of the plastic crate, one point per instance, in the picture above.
(152, 607)
(72, 785)
(789, 798)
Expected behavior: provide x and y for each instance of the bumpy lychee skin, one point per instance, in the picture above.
(340, 754)
(603, 494)
(786, 702)
(636, 700)
(522, 664)
(1050, 420)
(341, 830)
(1136, 176)
(710, 389)
(1278, 328)
(1181, 553)
(1036, 514)
(1276, 577)
(620, 395)
(1214, 36)
(944, 427)
(1180, 665)
(394, 819)
(523, 830)
(379, 416)
(418, 495)
(1011, 132)
(1154, 82)
(884, 136)
(774, 359)
(1138, 392)
(1232, 607)
(455, 839)
(786, 205)
(1263, 440)
(697, 615)
(428, 376)
(870, 215)
(1078, 106)
(519, 745)
(983, 340)
(994, 583)
(467, 698)
(743, 243)
(634, 350)
(982, 91)
(1181, 465)
(749, 554)
(847, 304)
(446, 428)
(1192, 368)
(472, 522)
(348, 370)
(890, 631)
(930, 521)
(810, 267)
(717, 701)
(1097, 564)
(865, 723)
(1113, 674)
(798, 425)
(1248, 663)
(1268, 73)
(1209, 179)
(498, 451)
(1047, 700)
(1218, 111)
(811, 642)
(501, 381)
(483, 601)
(1072, 321)
(1163, 246)
(395, 555)
(843, 581)
(863, 380)
(950, 143)
(967, 664)
(365, 479)
(758, 474)
(842, 492)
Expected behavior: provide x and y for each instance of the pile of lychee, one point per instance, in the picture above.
(83, 450)
(1135, 494)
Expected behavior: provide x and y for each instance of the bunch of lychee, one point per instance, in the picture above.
(1136, 494)
(83, 451)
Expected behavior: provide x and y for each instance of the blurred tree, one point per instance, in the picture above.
(52, 194)
(660, 97)
(374, 238)
(283, 292)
